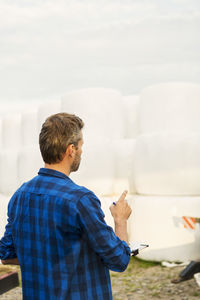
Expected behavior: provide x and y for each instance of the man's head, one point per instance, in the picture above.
(61, 133)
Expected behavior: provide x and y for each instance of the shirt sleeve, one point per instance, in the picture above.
(7, 249)
(114, 252)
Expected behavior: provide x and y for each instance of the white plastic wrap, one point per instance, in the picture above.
(47, 109)
(123, 151)
(131, 115)
(1, 133)
(167, 164)
(96, 171)
(11, 107)
(106, 202)
(11, 131)
(170, 106)
(8, 171)
(101, 110)
(3, 211)
(158, 222)
(30, 161)
(30, 130)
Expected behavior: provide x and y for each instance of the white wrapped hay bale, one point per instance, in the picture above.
(131, 115)
(8, 171)
(123, 151)
(167, 164)
(106, 202)
(47, 109)
(11, 131)
(3, 209)
(100, 109)
(170, 106)
(30, 130)
(158, 221)
(30, 161)
(96, 171)
(1, 133)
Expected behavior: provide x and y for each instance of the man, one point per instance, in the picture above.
(56, 229)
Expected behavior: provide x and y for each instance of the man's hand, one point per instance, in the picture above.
(121, 212)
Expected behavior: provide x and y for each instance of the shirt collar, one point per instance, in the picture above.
(53, 173)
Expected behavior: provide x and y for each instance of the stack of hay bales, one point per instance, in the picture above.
(148, 144)
(167, 171)
(19, 154)
(107, 151)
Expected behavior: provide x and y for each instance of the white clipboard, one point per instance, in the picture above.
(136, 247)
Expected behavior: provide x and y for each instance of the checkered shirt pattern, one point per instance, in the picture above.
(57, 231)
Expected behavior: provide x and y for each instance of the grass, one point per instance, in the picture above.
(195, 294)
(144, 264)
(136, 263)
(127, 283)
(136, 266)
(156, 295)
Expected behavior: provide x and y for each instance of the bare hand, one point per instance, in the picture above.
(121, 210)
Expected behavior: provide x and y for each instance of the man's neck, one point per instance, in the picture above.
(58, 167)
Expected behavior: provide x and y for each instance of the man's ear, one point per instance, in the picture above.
(70, 150)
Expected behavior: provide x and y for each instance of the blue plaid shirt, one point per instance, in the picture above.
(57, 231)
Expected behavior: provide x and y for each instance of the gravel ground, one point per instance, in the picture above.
(141, 281)
(146, 281)
(14, 294)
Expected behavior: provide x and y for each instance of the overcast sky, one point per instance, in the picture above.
(50, 47)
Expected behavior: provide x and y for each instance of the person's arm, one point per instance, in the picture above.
(121, 212)
(7, 249)
(114, 252)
